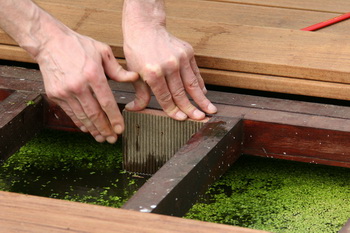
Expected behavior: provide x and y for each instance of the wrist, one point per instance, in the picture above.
(43, 30)
(29, 25)
(143, 14)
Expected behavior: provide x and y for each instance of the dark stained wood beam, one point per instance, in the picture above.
(4, 93)
(21, 119)
(274, 116)
(188, 174)
(298, 143)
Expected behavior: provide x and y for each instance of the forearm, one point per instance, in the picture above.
(29, 25)
(141, 14)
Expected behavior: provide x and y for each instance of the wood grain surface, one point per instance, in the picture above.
(24, 213)
(261, 50)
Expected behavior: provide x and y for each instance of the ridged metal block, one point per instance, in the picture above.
(151, 139)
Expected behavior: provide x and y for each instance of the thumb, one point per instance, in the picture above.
(115, 71)
(142, 96)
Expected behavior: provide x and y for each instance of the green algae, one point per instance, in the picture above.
(69, 166)
(278, 196)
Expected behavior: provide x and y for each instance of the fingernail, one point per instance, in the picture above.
(212, 108)
(198, 114)
(111, 139)
(83, 128)
(130, 105)
(180, 115)
(118, 129)
(205, 90)
(100, 138)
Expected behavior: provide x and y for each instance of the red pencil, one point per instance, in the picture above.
(327, 22)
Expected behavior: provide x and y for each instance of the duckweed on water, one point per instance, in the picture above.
(70, 166)
(278, 196)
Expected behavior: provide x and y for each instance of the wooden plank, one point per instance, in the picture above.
(113, 5)
(232, 13)
(19, 122)
(204, 158)
(244, 80)
(30, 80)
(304, 144)
(280, 52)
(276, 84)
(4, 93)
(319, 119)
(24, 213)
(14, 53)
(336, 6)
(303, 139)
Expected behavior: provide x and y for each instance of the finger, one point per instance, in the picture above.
(142, 96)
(114, 70)
(109, 121)
(159, 86)
(98, 117)
(65, 107)
(193, 88)
(196, 72)
(79, 113)
(180, 98)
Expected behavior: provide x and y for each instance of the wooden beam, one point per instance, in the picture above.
(4, 93)
(303, 144)
(19, 121)
(188, 174)
(271, 115)
(25, 213)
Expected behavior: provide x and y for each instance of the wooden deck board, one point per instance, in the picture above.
(280, 52)
(24, 213)
(223, 12)
(268, 51)
(336, 6)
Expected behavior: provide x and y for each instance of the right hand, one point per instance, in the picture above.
(73, 68)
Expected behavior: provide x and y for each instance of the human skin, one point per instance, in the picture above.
(165, 63)
(74, 67)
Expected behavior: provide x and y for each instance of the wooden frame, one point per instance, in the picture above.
(261, 126)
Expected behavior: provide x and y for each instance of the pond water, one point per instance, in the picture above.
(70, 166)
(267, 194)
(278, 196)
